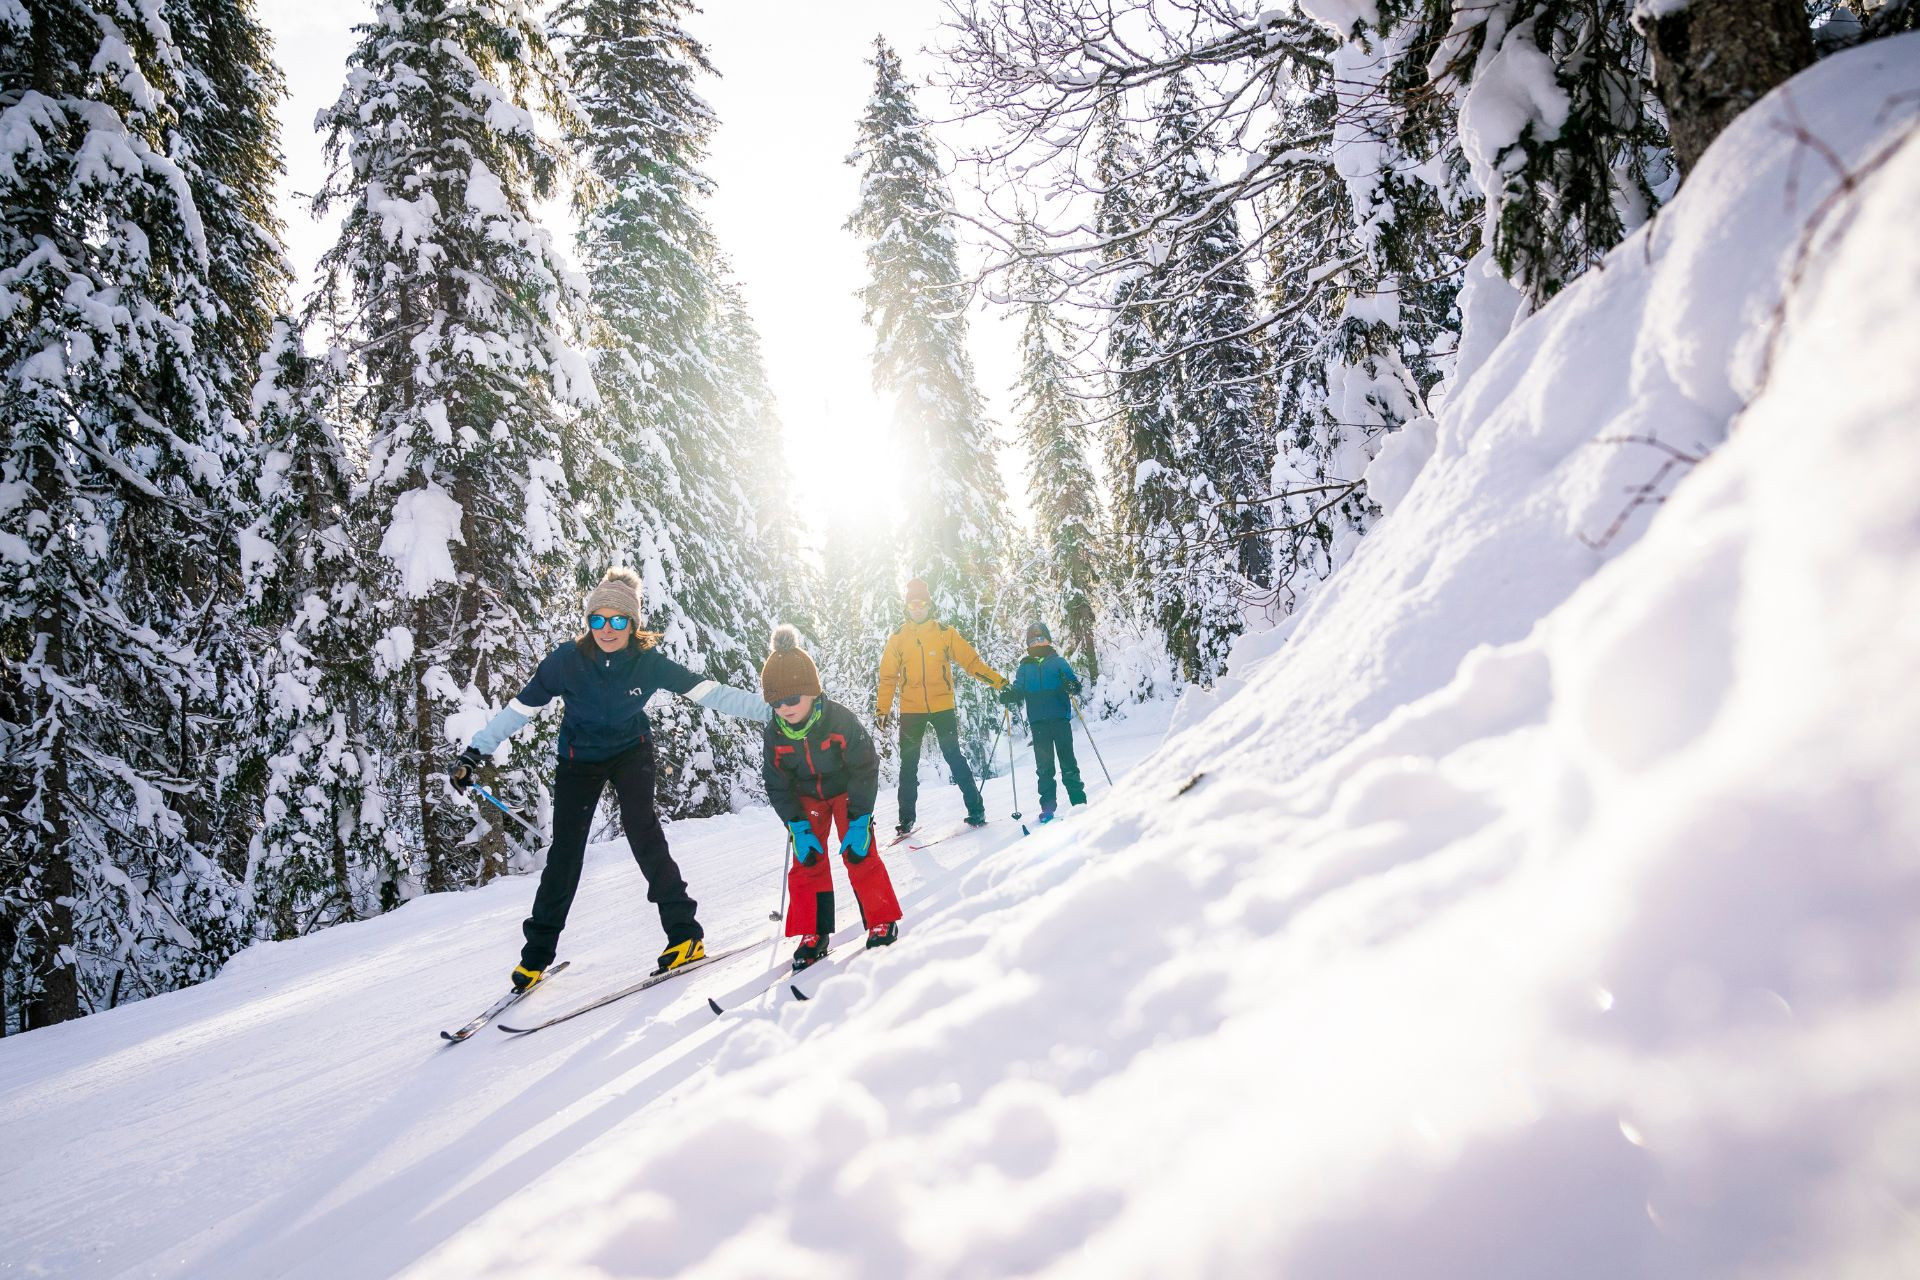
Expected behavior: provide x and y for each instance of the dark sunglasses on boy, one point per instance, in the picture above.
(599, 622)
(794, 701)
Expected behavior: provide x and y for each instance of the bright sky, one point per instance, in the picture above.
(792, 87)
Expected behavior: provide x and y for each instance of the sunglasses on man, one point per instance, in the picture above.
(600, 622)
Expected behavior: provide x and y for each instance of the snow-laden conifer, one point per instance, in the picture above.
(327, 848)
(1066, 512)
(113, 531)
(858, 608)
(1189, 373)
(685, 419)
(915, 297)
(458, 311)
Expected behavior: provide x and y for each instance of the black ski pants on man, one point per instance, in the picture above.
(1051, 739)
(946, 728)
(576, 794)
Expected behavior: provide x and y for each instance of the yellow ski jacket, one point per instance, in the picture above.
(919, 663)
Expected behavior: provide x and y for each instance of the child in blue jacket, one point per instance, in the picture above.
(1044, 682)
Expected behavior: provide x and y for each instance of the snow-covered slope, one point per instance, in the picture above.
(299, 1115)
(1539, 909)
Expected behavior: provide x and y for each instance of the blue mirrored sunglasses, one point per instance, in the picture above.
(599, 622)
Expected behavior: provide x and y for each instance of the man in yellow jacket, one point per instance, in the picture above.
(919, 664)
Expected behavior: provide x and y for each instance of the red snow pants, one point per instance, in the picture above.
(810, 887)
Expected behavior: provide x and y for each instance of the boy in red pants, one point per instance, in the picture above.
(821, 772)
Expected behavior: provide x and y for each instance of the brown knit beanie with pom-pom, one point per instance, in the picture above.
(788, 672)
(618, 592)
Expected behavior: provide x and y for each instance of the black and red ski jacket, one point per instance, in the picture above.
(832, 755)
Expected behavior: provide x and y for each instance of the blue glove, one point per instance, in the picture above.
(859, 841)
(806, 845)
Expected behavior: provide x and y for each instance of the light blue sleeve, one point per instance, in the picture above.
(729, 701)
(506, 722)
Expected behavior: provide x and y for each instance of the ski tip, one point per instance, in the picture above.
(516, 1031)
(451, 1038)
(715, 1006)
(798, 994)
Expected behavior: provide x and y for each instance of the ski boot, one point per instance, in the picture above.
(883, 935)
(813, 946)
(524, 977)
(681, 953)
(976, 819)
(1046, 816)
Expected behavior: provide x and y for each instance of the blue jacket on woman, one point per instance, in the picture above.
(1045, 681)
(606, 699)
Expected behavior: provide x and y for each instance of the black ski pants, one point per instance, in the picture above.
(946, 728)
(1054, 739)
(576, 793)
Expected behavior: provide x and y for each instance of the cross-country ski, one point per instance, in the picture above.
(645, 984)
(499, 1007)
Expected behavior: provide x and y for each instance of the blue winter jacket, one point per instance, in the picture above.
(1046, 681)
(606, 699)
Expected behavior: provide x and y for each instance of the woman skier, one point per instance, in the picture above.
(605, 676)
(822, 772)
(1045, 682)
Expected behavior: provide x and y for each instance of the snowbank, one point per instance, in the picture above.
(1548, 906)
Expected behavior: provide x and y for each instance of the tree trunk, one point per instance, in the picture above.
(1712, 59)
(49, 941)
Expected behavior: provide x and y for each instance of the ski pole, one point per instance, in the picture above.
(1090, 742)
(494, 800)
(782, 912)
(1011, 780)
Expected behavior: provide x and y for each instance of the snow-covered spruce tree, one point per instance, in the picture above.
(1131, 377)
(684, 405)
(227, 143)
(1198, 453)
(230, 94)
(1536, 116)
(112, 530)
(325, 850)
(1060, 483)
(1206, 321)
(1319, 507)
(915, 299)
(459, 313)
(791, 585)
(859, 607)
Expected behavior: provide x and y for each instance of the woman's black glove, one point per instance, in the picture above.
(465, 770)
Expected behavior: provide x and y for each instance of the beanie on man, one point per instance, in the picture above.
(788, 672)
(1038, 634)
(917, 592)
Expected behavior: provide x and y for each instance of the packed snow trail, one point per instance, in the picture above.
(300, 1114)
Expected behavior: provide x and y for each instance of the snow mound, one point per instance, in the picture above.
(1548, 905)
